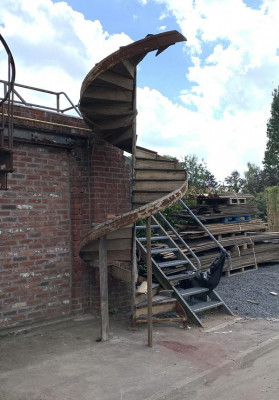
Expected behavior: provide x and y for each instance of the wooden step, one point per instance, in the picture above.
(108, 94)
(160, 304)
(157, 184)
(164, 174)
(115, 79)
(142, 152)
(143, 197)
(153, 163)
(141, 292)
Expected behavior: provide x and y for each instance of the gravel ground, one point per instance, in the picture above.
(254, 286)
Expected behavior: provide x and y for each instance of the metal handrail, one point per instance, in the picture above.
(11, 72)
(58, 96)
(207, 231)
(198, 268)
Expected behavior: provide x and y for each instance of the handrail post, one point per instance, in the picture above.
(103, 271)
(57, 102)
(149, 280)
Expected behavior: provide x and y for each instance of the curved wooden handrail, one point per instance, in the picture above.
(139, 48)
(131, 217)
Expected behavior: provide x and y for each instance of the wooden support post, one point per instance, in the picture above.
(149, 280)
(103, 265)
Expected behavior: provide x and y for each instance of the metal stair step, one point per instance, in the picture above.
(206, 305)
(141, 227)
(185, 275)
(164, 250)
(192, 291)
(143, 239)
(172, 263)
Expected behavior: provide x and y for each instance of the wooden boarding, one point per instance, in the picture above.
(117, 80)
(147, 197)
(160, 304)
(156, 185)
(113, 244)
(169, 174)
(156, 164)
(142, 152)
(112, 256)
(123, 233)
(240, 270)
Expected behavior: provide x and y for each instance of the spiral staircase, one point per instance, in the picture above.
(108, 106)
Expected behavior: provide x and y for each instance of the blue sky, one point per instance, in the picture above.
(210, 96)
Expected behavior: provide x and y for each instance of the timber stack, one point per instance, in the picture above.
(234, 221)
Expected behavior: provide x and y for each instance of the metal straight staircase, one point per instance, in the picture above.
(172, 268)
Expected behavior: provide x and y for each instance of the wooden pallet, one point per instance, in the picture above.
(240, 270)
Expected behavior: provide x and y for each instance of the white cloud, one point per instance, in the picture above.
(53, 46)
(232, 70)
(171, 129)
(233, 49)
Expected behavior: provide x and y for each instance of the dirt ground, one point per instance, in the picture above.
(231, 358)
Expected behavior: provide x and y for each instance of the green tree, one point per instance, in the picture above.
(199, 176)
(254, 179)
(271, 156)
(235, 181)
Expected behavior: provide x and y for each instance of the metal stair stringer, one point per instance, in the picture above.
(170, 274)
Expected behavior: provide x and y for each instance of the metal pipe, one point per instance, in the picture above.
(51, 123)
(57, 94)
(183, 243)
(149, 280)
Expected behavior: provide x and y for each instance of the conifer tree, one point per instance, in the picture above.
(271, 157)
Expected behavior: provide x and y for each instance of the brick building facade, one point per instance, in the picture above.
(64, 180)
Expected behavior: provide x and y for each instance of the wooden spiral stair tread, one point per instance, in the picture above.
(108, 92)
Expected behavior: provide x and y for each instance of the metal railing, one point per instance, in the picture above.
(59, 97)
(195, 218)
(6, 110)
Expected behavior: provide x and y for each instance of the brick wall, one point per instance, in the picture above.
(55, 194)
(35, 231)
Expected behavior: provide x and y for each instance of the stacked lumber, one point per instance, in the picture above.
(234, 225)
(221, 229)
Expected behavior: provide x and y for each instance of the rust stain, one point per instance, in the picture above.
(205, 355)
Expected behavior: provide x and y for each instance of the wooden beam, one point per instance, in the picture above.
(104, 288)
(133, 216)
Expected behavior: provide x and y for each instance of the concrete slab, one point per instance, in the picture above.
(64, 361)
